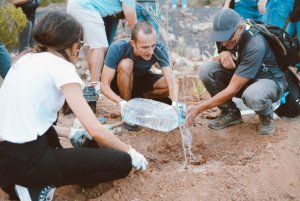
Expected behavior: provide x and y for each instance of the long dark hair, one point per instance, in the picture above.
(58, 31)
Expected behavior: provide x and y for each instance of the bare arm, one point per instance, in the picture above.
(130, 15)
(228, 93)
(107, 76)
(262, 6)
(227, 3)
(171, 82)
(81, 109)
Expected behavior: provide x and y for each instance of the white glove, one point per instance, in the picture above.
(121, 104)
(79, 137)
(174, 105)
(139, 162)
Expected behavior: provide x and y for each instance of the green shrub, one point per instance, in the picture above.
(47, 2)
(12, 21)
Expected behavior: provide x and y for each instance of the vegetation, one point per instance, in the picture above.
(12, 21)
(199, 88)
(47, 2)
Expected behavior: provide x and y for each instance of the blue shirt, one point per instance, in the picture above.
(122, 49)
(106, 7)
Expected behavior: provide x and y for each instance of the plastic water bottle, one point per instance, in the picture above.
(150, 114)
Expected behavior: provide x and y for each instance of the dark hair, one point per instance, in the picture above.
(143, 26)
(58, 31)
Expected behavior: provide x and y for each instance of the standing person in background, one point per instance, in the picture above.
(183, 4)
(90, 14)
(247, 9)
(25, 36)
(293, 27)
(277, 11)
(5, 60)
(32, 160)
(146, 10)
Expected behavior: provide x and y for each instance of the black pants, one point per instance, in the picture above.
(38, 163)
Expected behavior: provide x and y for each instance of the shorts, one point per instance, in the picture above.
(92, 23)
(141, 83)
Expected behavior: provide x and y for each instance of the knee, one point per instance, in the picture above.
(125, 66)
(124, 167)
(206, 69)
(254, 101)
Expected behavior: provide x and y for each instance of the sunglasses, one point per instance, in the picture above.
(80, 44)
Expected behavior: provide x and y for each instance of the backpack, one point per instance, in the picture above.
(285, 49)
(290, 104)
(283, 45)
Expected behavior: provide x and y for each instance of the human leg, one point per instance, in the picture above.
(184, 3)
(24, 37)
(35, 164)
(111, 25)
(149, 85)
(215, 79)
(92, 165)
(174, 3)
(95, 60)
(124, 78)
(5, 61)
(94, 36)
(259, 96)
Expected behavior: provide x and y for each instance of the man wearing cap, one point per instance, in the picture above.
(239, 70)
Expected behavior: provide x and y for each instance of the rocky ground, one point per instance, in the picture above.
(230, 164)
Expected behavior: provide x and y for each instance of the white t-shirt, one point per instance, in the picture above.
(31, 96)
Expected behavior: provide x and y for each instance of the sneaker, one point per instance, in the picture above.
(79, 137)
(35, 194)
(96, 86)
(91, 96)
(130, 127)
(226, 118)
(266, 125)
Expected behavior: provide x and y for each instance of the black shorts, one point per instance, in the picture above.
(141, 83)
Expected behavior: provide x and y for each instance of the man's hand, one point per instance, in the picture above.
(139, 162)
(226, 59)
(191, 113)
(262, 6)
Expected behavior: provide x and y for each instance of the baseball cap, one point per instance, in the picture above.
(225, 24)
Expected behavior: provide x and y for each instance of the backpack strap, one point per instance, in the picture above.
(252, 29)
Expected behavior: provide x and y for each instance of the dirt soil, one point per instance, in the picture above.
(235, 163)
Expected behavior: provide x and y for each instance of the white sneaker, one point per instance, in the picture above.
(96, 85)
(35, 194)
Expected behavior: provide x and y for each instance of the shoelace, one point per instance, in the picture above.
(44, 193)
